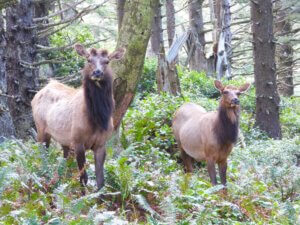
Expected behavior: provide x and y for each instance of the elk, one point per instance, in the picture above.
(80, 119)
(209, 136)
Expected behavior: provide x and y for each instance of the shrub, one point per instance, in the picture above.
(147, 83)
(150, 121)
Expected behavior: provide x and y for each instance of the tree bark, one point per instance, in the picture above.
(196, 42)
(6, 125)
(284, 51)
(166, 74)
(267, 98)
(120, 12)
(134, 36)
(170, 13)
(157, 33)
(21, 77)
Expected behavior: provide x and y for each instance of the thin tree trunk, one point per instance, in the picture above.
(120, 12)
(138, 17)
(284, 53)
(21, 77)
(166, 75)
(6, 125)
(227, 33)
(196, 43)
(267, 98)
(170, 13)
(157, 34)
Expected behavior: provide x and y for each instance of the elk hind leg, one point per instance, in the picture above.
(66, 151)
(187, 161)
(43, 137)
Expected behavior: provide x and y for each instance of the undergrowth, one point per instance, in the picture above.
(146, 183)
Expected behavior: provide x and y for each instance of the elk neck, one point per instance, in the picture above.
(99, 102)
(227, 125)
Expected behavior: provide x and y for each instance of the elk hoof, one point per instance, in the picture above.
(84, 178)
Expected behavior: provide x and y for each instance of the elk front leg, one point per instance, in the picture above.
(99, 156)
(80, 157)
(222, 171)
(212, 171)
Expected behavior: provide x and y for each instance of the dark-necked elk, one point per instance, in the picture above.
(209, 136)
(80, 119)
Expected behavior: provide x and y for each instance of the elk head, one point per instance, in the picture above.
(97, 61)
(230, 94)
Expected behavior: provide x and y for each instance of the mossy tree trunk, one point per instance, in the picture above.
(134, 36)
(120, 12)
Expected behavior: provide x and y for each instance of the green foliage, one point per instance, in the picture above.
(152, 121)
(290, 116)
(147, 82)
(70, 62)
(146, 183)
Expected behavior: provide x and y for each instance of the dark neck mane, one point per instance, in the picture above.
(99, 102)
(227, 131)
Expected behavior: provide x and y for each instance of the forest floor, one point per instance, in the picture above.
(146, 183)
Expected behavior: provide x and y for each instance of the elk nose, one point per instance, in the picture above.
(97, 73)
(235, 101)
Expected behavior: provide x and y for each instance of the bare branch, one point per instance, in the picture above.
(39, 19)
(50, 49)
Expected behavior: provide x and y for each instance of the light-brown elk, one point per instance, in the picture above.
(80, 119)
(209, 136)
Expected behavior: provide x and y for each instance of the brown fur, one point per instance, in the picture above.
(79, 119)
(209, 136)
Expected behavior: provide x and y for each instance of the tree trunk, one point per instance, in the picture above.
(170, 13)
(157, 34)
(166, 74)
(196, 42)
(134, 36)
(284, 53)
(120, 12)
(227, 33)
(215, 15)
(21, 76)
(6, 125)
(267, 98)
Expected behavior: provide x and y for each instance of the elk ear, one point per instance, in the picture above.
(117, 54)
(219, 85)
(244, 88)
(81, 50)
(93, 51)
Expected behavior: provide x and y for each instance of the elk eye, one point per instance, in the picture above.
(89, 61)
(238, 93)
(225, 92)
